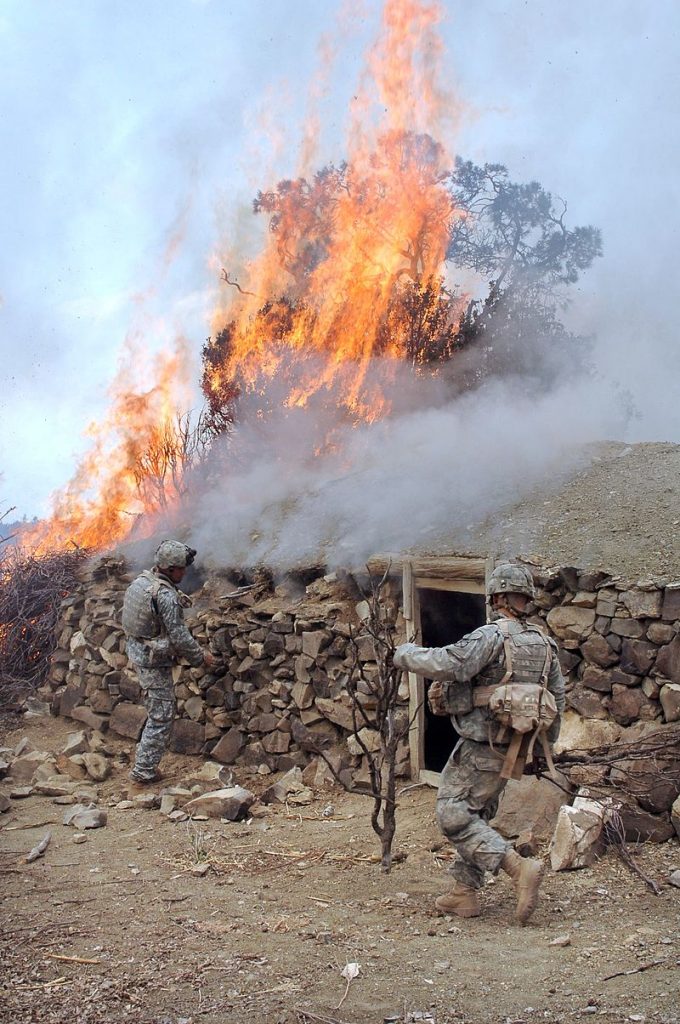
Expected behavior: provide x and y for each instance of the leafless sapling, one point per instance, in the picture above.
(380, 719)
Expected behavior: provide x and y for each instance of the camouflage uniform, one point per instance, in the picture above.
(153, 619)
(471, 783)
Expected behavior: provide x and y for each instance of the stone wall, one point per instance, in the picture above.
(287, 654)
(619, 642)
(280, 695)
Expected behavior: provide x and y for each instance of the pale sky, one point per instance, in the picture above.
(123, 123)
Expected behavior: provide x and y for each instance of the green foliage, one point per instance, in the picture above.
(515, 234)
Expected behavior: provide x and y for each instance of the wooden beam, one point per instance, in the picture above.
(456, 586)
(407, 590)
(447, 567)
(416, 686)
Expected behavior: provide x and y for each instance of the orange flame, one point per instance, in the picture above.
(104, 501)
(342, 245)
(323, 304)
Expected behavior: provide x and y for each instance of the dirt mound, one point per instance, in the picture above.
(619, 512)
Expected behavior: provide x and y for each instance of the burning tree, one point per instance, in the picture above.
(174, 450)
(366, 257)
(384, 265)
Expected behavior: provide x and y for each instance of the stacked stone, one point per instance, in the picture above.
(88, 672)
(279, 698)
(282, 692)
(620, 644)
(620, 652)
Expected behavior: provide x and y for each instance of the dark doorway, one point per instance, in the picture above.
(445, 616)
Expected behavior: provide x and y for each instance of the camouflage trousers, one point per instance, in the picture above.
(467, 798)
(159, 700)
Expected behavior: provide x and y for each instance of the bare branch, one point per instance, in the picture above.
(235, 284)
(376, 706)
(615, 835)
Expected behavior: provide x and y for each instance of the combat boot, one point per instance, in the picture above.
(140, 785)
(462, 901)
(527, 875)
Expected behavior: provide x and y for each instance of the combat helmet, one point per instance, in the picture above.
(510, 578)
(171, 554)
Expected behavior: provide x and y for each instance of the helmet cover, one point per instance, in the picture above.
(510, 578)
(172, 554)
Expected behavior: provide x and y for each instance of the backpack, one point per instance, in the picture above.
(524, 711)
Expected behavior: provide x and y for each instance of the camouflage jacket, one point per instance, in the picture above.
(478, 658)
(153, 619)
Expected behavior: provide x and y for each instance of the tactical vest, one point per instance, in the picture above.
(520, 700)
(529, 653)
(140, 612)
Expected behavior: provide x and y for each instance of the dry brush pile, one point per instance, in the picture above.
(32, 588)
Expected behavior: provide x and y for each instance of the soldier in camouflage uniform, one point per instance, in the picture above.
(471, 782)
(153, 620)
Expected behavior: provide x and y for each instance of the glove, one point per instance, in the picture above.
(554, 731)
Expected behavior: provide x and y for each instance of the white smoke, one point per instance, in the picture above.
(422, 479)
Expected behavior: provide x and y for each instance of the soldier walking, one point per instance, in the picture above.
(157, 637)
(507, 650)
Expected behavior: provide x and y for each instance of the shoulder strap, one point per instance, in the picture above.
(155, 584)
(503, 625)
(546, 664)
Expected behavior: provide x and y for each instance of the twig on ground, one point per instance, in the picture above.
(304, 1015)
(72, 959)
(39, 849)
(32, 824)
(413, 785)
(33, 928)
(637, 970)
(349, 972)
(89, 899)
(44, 984)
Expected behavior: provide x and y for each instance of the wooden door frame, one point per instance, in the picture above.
(460, 575)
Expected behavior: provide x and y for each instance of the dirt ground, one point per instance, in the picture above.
(118, 928)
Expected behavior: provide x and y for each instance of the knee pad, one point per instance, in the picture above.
(162, 711)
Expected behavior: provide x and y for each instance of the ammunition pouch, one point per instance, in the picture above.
(450, 698)
(525, 712)
(156, 653)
